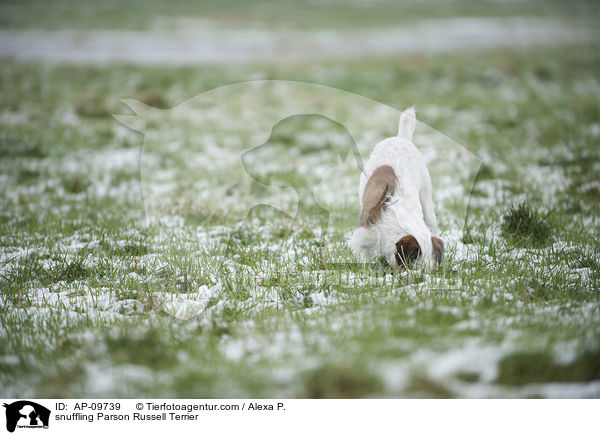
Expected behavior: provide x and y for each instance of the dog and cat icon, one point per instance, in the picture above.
(27, 414)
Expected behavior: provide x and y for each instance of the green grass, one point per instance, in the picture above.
(524, 368)
(524, 225)
(203, 300)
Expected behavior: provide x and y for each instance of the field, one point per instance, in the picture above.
(159, 252)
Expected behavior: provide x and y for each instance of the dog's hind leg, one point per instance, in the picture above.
(428, 211)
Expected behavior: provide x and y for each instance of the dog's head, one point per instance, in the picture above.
(389, 229)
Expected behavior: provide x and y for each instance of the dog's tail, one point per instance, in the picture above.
(408, 121)
(364, 243)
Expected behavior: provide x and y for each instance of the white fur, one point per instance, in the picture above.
(365, 243)
(407, 124)
(409, 211)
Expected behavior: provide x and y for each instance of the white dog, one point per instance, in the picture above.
(397, 220)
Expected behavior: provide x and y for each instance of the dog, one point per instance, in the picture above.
(397, 219)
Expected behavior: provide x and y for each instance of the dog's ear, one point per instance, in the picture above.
(380, 184)
(407, 250)
(438, 249)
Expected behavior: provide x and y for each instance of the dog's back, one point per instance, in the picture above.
(403, 157)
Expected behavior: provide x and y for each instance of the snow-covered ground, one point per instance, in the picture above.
(273, 306)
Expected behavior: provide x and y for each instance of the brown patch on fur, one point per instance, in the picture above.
(408, 250)
(380, 184)
(438, 249)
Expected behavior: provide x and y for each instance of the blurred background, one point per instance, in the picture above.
(93, 302)
(185, 32)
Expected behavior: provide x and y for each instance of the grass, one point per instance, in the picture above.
(524, 225)
(184, 293)
(524, 368)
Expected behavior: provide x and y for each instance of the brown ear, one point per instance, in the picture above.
(380, 184)
(408, 250)
(438, 249)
